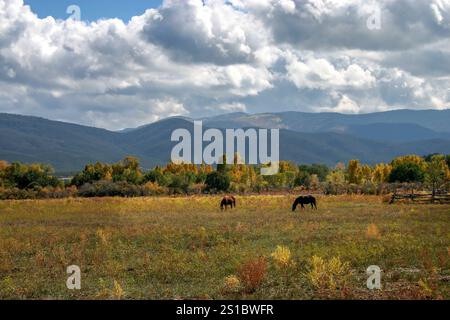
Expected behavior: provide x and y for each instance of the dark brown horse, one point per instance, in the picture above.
(228, 201)
(305, 200)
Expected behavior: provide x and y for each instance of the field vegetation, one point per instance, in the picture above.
(186, 248)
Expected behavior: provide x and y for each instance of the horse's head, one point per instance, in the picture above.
(294, 206)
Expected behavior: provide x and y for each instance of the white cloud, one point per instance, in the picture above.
(189, 55)
(346, 105)
(321, 74)
(210, 31)
(441, 12)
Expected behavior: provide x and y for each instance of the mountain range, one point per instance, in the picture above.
(304, 137)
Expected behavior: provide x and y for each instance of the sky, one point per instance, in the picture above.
(92, 10)
(129, 63)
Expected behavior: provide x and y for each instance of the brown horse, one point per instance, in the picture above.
(305, 200)
(228, 201)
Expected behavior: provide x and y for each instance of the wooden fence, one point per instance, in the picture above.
(421, 198)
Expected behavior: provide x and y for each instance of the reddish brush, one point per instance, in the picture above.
(252, 273)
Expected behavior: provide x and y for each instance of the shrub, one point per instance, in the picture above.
(153, 189)
(373, 232)
(231, 284)
(118, 292)
(197, 188)
(330, 275)
(331, 188)
(110, 189)
(252, 273)
(386, 198)
(282, 257)
(369, 188)
(37, 193)
(17, 194)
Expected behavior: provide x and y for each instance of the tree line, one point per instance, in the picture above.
(126, 178)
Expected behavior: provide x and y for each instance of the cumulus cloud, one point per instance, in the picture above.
(321, 74)
(316, 24)
(194, 57)
(346, 105)
(216, 33)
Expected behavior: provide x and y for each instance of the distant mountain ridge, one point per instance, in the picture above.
(434, 120)
(327, 138)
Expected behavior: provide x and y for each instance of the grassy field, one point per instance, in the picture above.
(186, 248)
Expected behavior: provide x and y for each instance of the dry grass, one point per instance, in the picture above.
(177, 248)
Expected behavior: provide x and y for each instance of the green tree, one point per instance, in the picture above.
(179, 183)
(303, 178)
(320, 170)
(23, 176)
(407, 172)
(157, 176)
(93, 173)
(222, 167)
(127, 170)
(217, 181)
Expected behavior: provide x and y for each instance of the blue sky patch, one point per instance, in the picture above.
(92, 10)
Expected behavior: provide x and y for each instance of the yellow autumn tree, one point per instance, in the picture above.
(3, 165)
(354, 172)
(381, 173)
(437, 173)
(365, 173)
